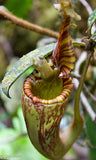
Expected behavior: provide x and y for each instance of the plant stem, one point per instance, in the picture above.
(75, 75)
(77, 97)
(27, 25)
(88, 107)
(33, 27)
(87, 6)
(89, 94)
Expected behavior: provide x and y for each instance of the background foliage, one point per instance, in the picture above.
(15, 42)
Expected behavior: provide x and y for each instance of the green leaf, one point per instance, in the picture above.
(91, 130)
(76, 44)
(93, 37)
(21, 120)
(19, 8)
(92, 154)
(91, 20)
(91, 133)
(14, 144)
(21, 148)
(22, 65)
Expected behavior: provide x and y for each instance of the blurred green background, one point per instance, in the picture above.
(14, 43)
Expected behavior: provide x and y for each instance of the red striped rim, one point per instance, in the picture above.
(67, 87)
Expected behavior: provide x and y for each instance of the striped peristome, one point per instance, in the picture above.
(29, 81)
(63, 55)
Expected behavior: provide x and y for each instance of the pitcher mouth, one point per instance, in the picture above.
(65, 93)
